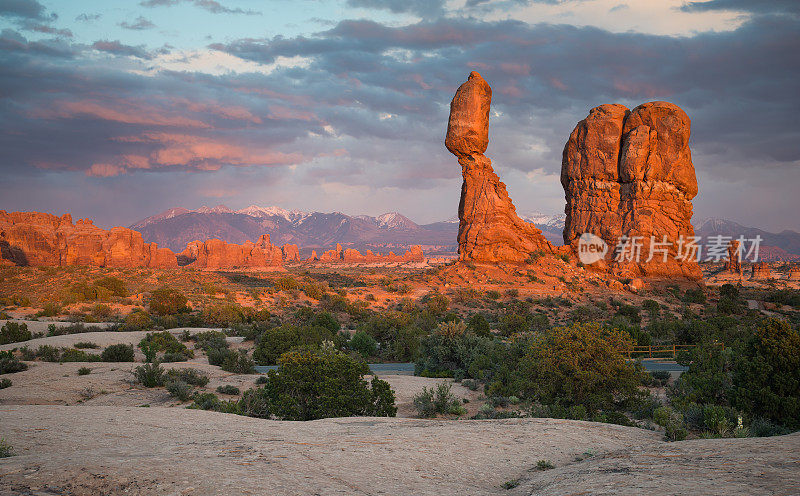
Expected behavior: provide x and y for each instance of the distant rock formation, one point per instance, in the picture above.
(761, 272)
(794, 273)
(630, 173)
(217, 254)
(291, 253)
(350, 255)
(734, 262)
(489, 228)
(34, 238)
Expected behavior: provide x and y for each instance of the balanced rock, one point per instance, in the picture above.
(35, 238)
(761, 272)
(628, 175)
(489, 229)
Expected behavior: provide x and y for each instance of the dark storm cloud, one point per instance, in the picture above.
(210, 5)
(422, 8)
(25, 9)
(755, 6)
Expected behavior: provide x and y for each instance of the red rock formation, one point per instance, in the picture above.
(794, 273)
(313, 257)
(34, 238)
(350, 255)
(630, 173)
(217, 254)
(291, 253)
(734, 262)
(489, 228)
(761, 272)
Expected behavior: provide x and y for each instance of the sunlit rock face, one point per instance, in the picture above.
(35, 238)
(630, 174)
(489, 228)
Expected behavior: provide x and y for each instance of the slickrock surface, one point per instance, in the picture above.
(86, 450)
(489, 228)
(630, 173)
(34, 238)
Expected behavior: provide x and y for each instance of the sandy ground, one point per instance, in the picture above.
(86, 450)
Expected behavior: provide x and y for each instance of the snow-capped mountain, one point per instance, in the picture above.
(289, 215)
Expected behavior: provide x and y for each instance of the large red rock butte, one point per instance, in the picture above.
(34, 238)
(630, 174)
(734, 262)
(489, 229)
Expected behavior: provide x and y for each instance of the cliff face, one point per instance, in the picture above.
(630, 174)
(34, 238)
(489, 228)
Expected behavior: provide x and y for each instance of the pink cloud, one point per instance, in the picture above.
(280, 112)
(124, 111)
(105, 170)
(516, 69)
(234, 112)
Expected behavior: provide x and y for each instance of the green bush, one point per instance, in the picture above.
(364, 344)
(5, 383)
(276, 341)
(254, 403)
(479, 325)
(164, 341)
(224, 315)
(438, 400)
(189, 376)
(238, 363)
(465, 355)
(48, 353)
(318, 383)
(179, 389)
(694, 296)
(168, 301)
(228, 389)
(73, 355)
(84, 371)
(13, 332)
(118, 353)
(5, 449)
(10, 364)
(583, 364)
(149, 375)
(81, 345)
(137, 321)
(115, 285)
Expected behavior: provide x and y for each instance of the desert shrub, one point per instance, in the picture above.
(286, 283)
(766, 374)
(694, 296)
(137, 321)
(189, 376)
(10, 364)
(5, 449)
(173, 357)
(5, 383)
(583, 364)
(228, 389)
(278, 340)
(254, 403)
(168, 301)
(651, 307)
(465, 355)
(659, 378)
(318, 383)
(314, 290)
(206, 401)
(163, 341)
(437, 400)
(84, 371)
(179, 389)
(149, 375)
(13, 332)
(479, 325)
(238, 363)
(437, 303)
(118, 353)
(48, 353)
(74, 355)
(493, 294)
(364, 344)
(630, 312)
(114, 284)
(223, 315)
(82, 345)
(470, 384)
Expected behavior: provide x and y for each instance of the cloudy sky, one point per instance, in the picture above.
(119, 110)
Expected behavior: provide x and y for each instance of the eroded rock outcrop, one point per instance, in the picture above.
(217, 254)
(629, 175)
(35, 238)
(734, 261)
(794, 273)
(351, 255)
(489, 228)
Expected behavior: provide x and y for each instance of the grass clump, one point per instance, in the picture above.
(84, 371)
